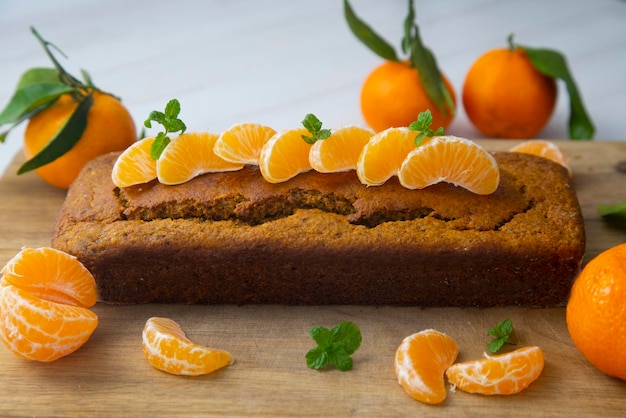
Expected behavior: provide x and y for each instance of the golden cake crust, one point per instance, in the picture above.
(327, 239)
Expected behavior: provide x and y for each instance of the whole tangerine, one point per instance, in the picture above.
(110, 127)
(505, 96)
(393, 95)
(596, 312)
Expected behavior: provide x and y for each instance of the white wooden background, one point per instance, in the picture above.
(273, 61)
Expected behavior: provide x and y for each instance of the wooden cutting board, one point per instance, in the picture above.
(110, 377)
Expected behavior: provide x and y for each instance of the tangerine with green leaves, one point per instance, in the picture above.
(110, 127)
(505, 96)
(393, 95)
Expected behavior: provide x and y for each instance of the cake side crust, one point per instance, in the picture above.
(441, 246)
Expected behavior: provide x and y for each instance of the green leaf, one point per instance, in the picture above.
(425, 63)
(495, 345)
(321, 335)
(154, 116)
(501, 332)
(314, 126)
(422, 126)
(348, 336)
(616, 212)
(88, 80)
(169, 120)
(65, 138)
(553, 64)
(334, 346)
(24, 117)
(30, 97)
(367, 36)
(317, 358)
(158, 146)
(172, 109)
(409, 33)
(38, 75)
(340, 358)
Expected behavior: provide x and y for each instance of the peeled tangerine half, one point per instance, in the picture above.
(168, 349)
(504, 374)
(45, 296)
(285, 155)
(420, 363)
(134, 165)
(455, 160)
(190, 155)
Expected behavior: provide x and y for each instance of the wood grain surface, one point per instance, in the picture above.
(110, 377)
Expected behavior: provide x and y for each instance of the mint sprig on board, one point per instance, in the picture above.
(334, 346)
(314, 126)
(614, 213)
(422, 126)
(170, 122)
(553, 64)
(419, 56)
(502, 333)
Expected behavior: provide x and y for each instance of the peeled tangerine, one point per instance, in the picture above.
(45, 296)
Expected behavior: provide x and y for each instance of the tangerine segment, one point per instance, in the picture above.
(504, 374)
(420, 363)
(52, 275)
(340, 151)
(242, 143)
(167, 348)
(285, 155)
(382, 156)
(542, 148)
(39, 329)
(189, 156)
(451, 159)
(134, 165)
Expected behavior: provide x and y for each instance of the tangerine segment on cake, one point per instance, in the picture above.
(327, 239)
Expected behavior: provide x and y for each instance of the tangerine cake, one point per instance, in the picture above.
(234, 238)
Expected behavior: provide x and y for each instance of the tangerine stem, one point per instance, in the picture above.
(65, 77)
(512, 45)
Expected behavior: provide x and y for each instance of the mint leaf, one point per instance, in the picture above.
(616, 212)
(348, 336)
(422, 126)
(501, 332)
(314, 126)
(170, 122)
(322, 336)
(317, 358)
(340, 357)
(334, 346)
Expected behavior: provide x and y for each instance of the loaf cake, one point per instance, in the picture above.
(233, 238)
